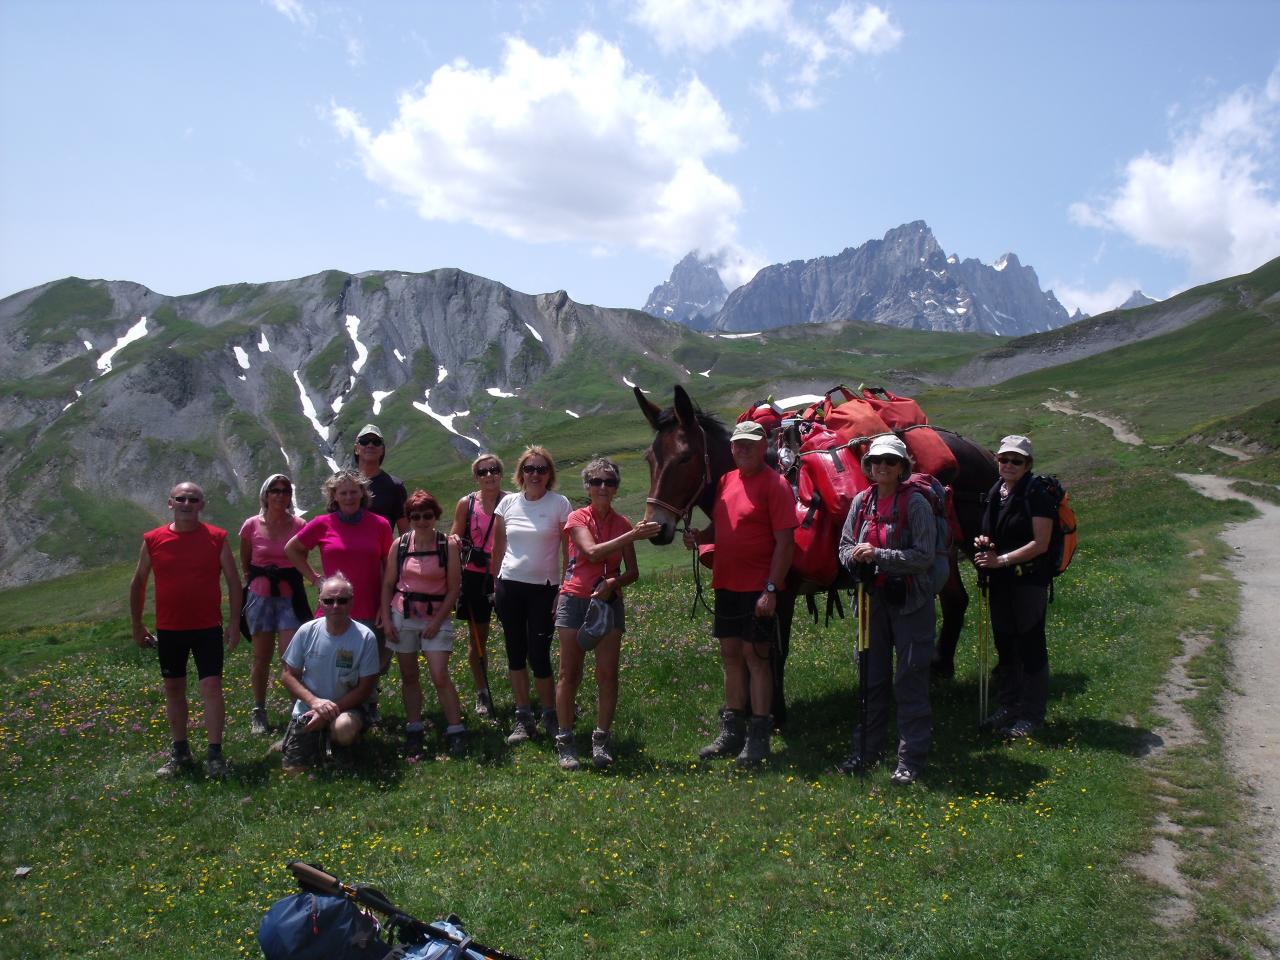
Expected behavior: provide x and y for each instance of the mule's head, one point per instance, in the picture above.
(680, 463)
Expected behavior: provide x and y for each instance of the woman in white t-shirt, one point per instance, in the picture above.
(528, 560)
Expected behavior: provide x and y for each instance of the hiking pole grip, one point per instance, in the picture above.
(314, 878)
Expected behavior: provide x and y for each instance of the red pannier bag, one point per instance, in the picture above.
(897, 412)
(765, 413)
(830, 477)
(931, 453)
(852, 419)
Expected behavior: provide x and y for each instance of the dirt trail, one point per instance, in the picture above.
(1119, 428)
(1253, 739)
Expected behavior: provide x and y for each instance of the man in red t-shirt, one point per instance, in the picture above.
(188, 557)
(752, 526)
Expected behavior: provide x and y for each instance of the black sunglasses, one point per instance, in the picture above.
(890, 460)
(1011, 461)
(335, 601)
(280, 490)
(540, 471)
(602, 481)
(370, 441)
(187, 499)
(428, 515)
(488, 471)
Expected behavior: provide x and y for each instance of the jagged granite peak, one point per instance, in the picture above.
(904, 279)
(112, 391)
(693, 295)
(1137, 299)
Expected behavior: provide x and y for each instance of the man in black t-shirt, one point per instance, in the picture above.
(388, 492)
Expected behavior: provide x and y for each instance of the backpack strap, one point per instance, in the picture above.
(402, 552)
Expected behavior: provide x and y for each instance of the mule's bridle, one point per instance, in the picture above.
(705, 481)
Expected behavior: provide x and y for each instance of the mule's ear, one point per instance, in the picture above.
(650, 410)
(685, 411)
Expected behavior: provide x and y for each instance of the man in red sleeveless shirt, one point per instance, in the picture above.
(753, 527)
(188, 557)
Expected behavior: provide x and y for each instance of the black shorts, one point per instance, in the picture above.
(474, 597)
(735, 610)
(174, 646)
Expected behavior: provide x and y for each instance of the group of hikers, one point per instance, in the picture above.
(392, 582)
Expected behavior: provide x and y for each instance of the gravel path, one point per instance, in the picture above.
(1253, 728)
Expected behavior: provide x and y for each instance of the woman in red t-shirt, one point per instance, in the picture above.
(602, 560)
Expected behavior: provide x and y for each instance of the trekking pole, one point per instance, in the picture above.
(864, 648)
(984, 645)
(409, 929)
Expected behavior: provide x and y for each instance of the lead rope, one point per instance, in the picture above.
(698, 597)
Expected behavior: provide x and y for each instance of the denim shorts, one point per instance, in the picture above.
(269, 614)
(571, 611)
(409, 638)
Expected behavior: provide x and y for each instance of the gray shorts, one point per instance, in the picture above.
(306, 748)
(409, 638)
(269, 614)
(571, 611)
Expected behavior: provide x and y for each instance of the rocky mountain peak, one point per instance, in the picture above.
(1137, 299)
(694, 291)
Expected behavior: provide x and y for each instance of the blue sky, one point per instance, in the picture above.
(588, 146)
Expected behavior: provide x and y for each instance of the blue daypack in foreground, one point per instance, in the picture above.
(331, 920)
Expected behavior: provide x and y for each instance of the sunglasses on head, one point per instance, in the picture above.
(488, 471)
(1011, 461)
(335, 601)
(186, 499)
(602, 481)
(427, 515)
(539, 470)
(888, 460)
(370, 441)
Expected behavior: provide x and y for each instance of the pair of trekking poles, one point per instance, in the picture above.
(862, 644)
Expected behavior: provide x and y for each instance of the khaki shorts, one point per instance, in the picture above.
(409, 638)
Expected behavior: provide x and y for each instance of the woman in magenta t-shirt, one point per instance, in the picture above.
(270, 580)
(602, 560)
(353, 540)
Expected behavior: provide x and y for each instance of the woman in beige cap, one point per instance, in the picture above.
(889, 542)
(1012, 553)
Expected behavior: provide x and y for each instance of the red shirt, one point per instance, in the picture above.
(748, 513)
(582, 573)
(357, 551)
(188, 571)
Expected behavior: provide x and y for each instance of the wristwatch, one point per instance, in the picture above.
(770, 588)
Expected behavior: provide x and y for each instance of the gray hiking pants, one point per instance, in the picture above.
(908, 637)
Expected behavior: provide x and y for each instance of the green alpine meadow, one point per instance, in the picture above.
(1026, 849)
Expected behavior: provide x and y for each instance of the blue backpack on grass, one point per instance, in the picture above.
(319, 926)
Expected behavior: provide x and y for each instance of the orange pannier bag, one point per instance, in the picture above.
(852, 419)
(897, 412)
(931, 453)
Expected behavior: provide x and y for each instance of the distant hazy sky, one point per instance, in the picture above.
(588, 146)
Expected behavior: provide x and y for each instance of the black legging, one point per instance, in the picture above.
(527, 614)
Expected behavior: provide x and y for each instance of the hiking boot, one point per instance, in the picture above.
(601, 749)
(568, 751)
(998, 719)
(904, 776)
(216, 768)
(756, 749)
(258, 722)
(856, 763)
(550, 723)
(456, 743)
(524, 729)
(484, 704)
(413, 744)
(1022, 730)
(733, 730)
(175, 765)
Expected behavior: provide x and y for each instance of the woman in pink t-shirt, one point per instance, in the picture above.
(602, 560)
(273, 588)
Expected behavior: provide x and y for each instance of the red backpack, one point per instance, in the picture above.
(830, 476)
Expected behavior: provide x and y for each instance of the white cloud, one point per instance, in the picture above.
(294, 10)
(813, 45)
(575, 146)
(1211, 199)
(355, 51)
(1094, 301)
